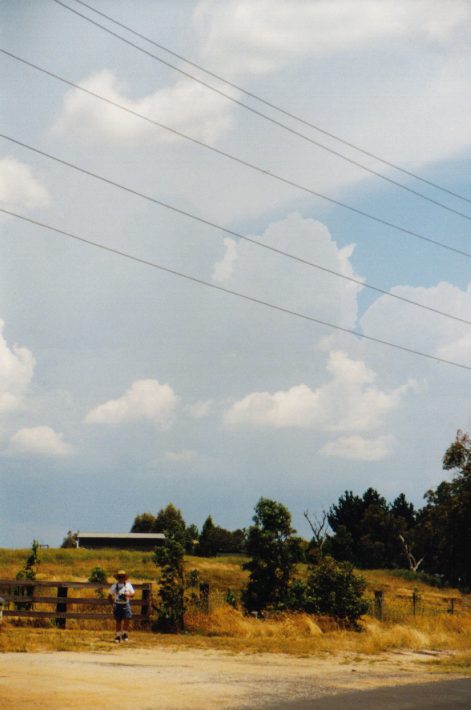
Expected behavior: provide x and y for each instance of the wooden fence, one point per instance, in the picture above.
(391, 606)
(23, 597)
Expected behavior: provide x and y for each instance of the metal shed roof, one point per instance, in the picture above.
(123, 536)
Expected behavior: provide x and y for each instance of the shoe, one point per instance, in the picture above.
(117, 639)
(125, 637)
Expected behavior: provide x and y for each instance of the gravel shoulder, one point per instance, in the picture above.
(161, 679)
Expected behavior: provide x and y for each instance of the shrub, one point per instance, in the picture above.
(98, 576)
(171, 609)
(334, 589)
(193, 578)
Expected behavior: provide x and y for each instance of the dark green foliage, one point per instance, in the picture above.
(170, 521)
(143, 523)
(231, 599)
(446, 519)
(367, 531)
(274, 552)
(411, 576)
(193, 578)
(32, 562)
(70, 540)
(214, 539)
(335, 590)
(98, 576)
(28, 572)
(297, 593)
(191, 539)
(172, 585)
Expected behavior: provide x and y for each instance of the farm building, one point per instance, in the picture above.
(121, 541)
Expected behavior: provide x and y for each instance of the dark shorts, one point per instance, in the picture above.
(122, 611)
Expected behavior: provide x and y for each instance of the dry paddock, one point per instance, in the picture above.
(137, 676)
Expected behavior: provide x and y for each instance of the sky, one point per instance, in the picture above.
(124, 387)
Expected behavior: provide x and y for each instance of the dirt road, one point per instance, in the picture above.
(161, 679)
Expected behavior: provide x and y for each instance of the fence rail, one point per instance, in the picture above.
(384, 604)
(22, 596)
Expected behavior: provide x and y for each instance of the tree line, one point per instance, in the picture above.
(363, 530)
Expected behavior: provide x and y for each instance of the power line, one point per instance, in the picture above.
(272, 105)
(201, 143)
(243, 237)
(384, 222)
(244, 296)
(371, 171)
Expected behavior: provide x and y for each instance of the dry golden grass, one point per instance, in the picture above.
(294, 634)
(220, 572)
(431, 629)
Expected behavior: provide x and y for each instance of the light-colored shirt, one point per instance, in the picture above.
(119, 589)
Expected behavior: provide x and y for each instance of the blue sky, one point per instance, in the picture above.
(123, 388)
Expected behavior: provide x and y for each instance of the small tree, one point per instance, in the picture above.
(274, 551)
(32, 562)
(28, 571)
(172, 585)
(98, 576)
(334, 589)
(170, 521)
(143, 523)
(70, 540)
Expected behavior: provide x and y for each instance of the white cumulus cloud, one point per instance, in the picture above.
(270, 276)
(223, 269)
(40, 441)
(16, 371)
(19, 187)
(359, 448)
(415, 328)
(187, 107)
(145, 400)
(348, 401)
(265, 35)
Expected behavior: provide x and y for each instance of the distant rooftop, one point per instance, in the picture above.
(120, 541)
(127, 536)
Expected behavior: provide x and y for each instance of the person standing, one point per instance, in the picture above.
(119, 595)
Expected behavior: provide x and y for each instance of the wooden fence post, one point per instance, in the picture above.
(415, 599)
(61, 606)
(379, 598)
(146, 600)
(204, 596)
(451, 606)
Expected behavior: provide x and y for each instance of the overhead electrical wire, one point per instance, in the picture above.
(384, 222)
(243, 237)
(266, 116)
(185, 136)
(262, 100)
(232, 292)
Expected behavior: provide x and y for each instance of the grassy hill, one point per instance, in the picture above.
(415, 615)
